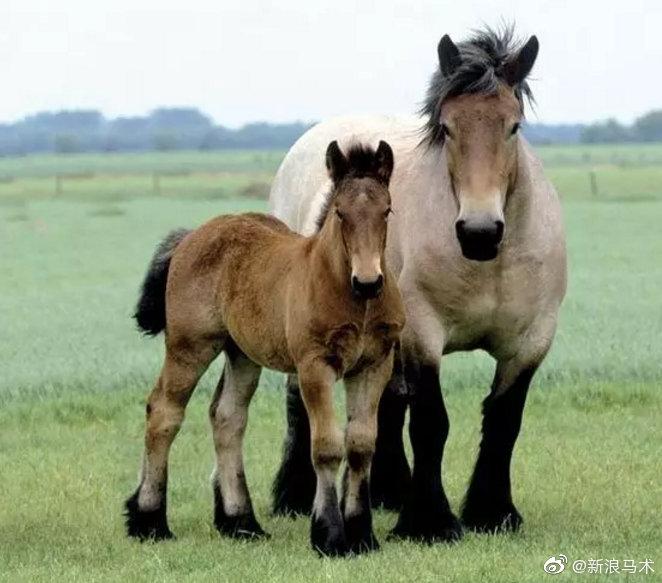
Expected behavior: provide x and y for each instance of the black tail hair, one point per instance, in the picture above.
(151, 310)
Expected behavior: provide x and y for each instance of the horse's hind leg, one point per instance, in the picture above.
(294, 486)
(390, 477)
(146, 508)
(363, 394)
(233, 510)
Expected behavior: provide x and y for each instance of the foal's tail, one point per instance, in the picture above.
(151, 311)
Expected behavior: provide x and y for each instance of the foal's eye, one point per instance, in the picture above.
(445, 130)
(339, 215)
(514, 129)
(387, 212)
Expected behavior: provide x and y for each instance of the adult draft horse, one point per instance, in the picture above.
(324, 307)
(478, 247)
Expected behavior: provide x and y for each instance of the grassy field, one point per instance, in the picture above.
(75, 377)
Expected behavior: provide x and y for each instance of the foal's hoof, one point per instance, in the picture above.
(146, 524)
(492, 519)
(440, 526)
(244, 527)
(359, 535)
(328, 537)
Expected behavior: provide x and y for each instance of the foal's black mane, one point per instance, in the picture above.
(362, 163)
(480, 71)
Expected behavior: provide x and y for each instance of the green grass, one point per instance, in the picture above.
(75, 375)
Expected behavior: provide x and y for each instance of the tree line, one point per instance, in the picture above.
(190, 129)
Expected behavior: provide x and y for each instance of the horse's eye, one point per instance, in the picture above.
(445, 130)
(339, 215)
(515, 129)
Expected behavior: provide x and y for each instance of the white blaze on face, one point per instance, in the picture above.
(366, 254)
(485, 205)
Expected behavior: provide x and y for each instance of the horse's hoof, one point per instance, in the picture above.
(327, 537)
(359, 535)
(243, 527)
(430, 526)
(146, 524)
(492, 519)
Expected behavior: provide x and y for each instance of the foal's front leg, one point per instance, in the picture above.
(233, 510)
(363, 394)
(327, 532)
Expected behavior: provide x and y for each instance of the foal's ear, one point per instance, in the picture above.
(516, 70)
(384, 162)
(449, 55)
(336, 163)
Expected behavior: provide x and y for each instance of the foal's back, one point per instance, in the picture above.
(230, 277)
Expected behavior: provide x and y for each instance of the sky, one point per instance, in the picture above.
(284, 60)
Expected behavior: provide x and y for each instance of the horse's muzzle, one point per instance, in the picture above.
(367, 290)
(479, 240)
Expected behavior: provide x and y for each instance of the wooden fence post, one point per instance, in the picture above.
(594, 183)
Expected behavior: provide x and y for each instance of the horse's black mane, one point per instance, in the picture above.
(362, 163)
(480, 71)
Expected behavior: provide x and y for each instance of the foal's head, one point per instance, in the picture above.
(475, 104)
(357, 210)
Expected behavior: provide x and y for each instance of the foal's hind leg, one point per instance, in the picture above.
(363, 394)
(233, 511)
(183, 367)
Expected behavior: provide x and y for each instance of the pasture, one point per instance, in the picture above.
(75, 375)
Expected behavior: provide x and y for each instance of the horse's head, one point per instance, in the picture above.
(475, 104)
(359, 208)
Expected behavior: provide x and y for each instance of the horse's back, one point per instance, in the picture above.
(301, 184)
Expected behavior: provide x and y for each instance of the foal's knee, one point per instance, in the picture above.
(164, 416)
(360, 444)
(327, 450)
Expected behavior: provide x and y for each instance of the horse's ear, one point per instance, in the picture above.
(516, 70)
(384, 162)
(449, 55)
(336, 163)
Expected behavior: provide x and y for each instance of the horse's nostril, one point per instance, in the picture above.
(369, 289)
(459, 228)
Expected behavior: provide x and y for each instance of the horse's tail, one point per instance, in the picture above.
(151, 310)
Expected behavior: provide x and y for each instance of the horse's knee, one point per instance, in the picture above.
(327, 449)
(360, 444)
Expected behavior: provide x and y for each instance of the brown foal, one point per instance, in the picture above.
(323, 307)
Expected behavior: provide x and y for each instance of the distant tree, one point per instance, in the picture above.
(66, 144)
(605, 132)
(648, 127)
(164, 141)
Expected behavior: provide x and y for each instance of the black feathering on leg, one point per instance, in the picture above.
(146, 524)
(242, 526)
(358, 527)
(390, 477)
(294, 486)
(426, 514)
(327, 530)
(488, 505)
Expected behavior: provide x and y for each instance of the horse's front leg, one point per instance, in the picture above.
(488, 506)
(363, 394)
(327, 532)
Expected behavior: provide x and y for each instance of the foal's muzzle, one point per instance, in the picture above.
(367, 289)
(479, 239)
